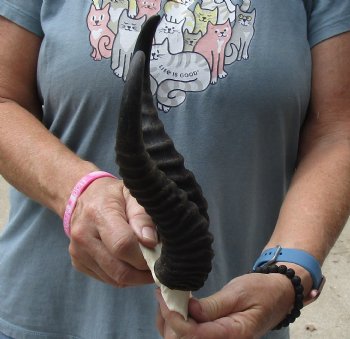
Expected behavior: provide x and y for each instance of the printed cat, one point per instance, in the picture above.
(148, 8)
(245, 5)
(172, 76)
(212, 46)
(177, 10)
(190, 40)
(182, 59)
(101, 37)
(125, 40)
(238, 46)
(226, 9)
(171, 31)
(132, 8)
(203, 17)
(115, 10)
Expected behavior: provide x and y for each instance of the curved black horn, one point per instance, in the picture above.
(154, 172)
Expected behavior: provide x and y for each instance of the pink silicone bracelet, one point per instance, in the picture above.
(78, 189)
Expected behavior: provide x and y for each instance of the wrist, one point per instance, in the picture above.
(302, 273)
(77, 191)
(295, 282)
(304, 263)
(70, 179)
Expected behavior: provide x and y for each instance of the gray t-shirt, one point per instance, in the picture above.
(232, 83)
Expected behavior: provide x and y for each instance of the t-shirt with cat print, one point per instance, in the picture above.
(231, 80)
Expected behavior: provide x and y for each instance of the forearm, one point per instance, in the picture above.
(36, 162)
(318, 202)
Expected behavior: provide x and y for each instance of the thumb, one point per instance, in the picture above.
(140, 221)
(211, 308)
(144, 229)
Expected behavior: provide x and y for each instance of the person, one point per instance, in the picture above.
(256, 98)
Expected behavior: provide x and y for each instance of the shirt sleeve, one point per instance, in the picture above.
(25, 13)
(327, 18)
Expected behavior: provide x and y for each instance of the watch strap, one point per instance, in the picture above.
(295, 256)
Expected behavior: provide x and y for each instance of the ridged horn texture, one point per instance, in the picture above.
(154, 173)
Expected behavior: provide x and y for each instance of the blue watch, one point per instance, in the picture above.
(298, 257)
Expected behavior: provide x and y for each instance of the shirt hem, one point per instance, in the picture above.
(329, 31)
(19, 332)
(21, 18)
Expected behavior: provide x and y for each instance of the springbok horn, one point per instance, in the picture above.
(154, 173)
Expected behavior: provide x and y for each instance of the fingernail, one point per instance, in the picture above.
(149, 233)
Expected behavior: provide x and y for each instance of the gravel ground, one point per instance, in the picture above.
(329, 317)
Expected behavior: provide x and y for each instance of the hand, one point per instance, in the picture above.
(106, 229)
(247, 307)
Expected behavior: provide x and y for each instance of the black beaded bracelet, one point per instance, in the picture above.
(298, 289)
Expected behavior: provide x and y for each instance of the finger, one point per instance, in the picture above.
(169, 333)
(80, 258)
(207, 309)
(119, 271)
(164, 330)
(85, 240)
(179, 325)
(84, 263)
(223, 328)
(83, 269)
(216, 306)
(140, 221)
(160, 323)
(144, 229)
(106, 220)
(121, 241)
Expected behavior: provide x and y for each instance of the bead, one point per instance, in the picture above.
(296, 280)
(273, 269)
(264, 269)
(299, 304)
(290, 273)
(291, 320)
(285, 322)
(258, 270)
(299, 297)
(298, 290)
(278, 327)
(295, 312)
(282, 269)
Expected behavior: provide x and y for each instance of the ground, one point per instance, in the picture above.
(328, 317)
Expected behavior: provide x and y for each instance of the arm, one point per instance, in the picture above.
(24, 157)
(311, 218)
(38, 164)
(318, 201)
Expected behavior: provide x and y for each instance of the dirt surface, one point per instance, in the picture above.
(328, 317)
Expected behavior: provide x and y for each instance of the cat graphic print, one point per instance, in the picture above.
(195, 41)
